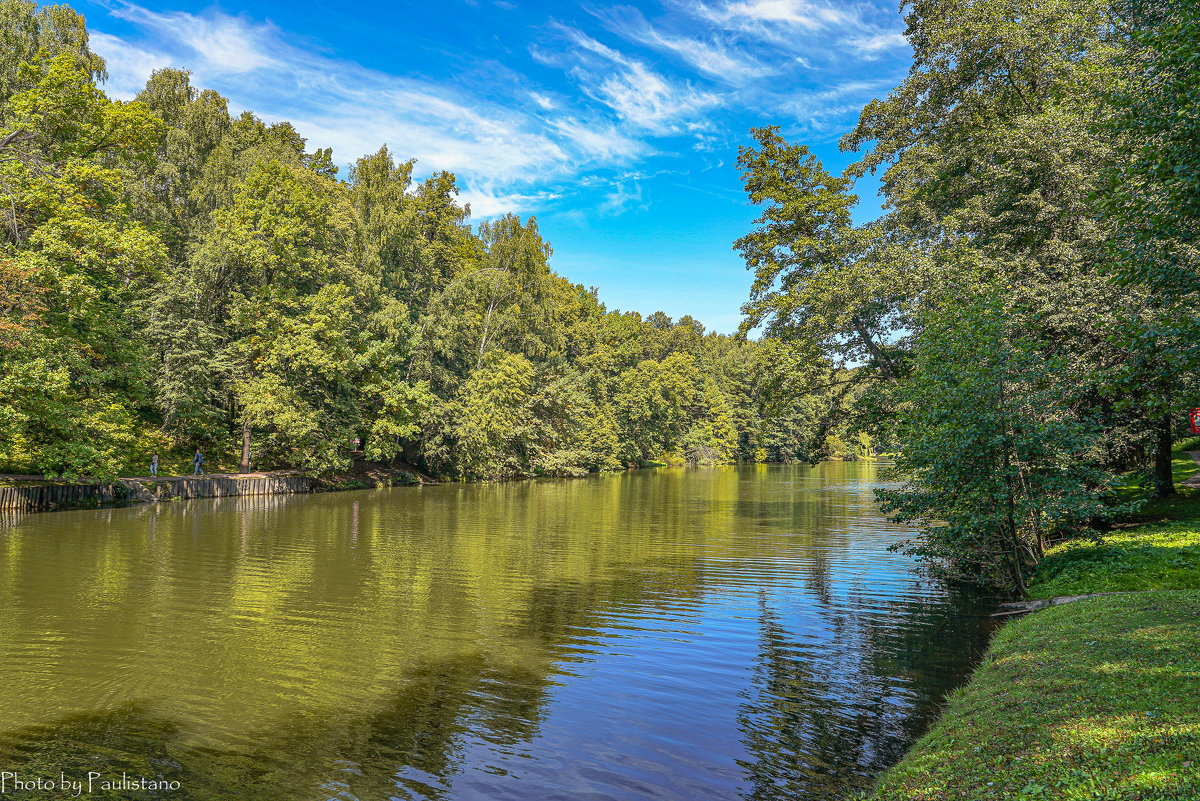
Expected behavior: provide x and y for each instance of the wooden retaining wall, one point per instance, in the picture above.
(48, 497)
(177, 488)
(42, 497)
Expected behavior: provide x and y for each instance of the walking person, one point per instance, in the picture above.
(198, 461)
(154, 464)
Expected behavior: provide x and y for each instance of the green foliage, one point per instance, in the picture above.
(992, 451)
(1151, 202)
(1033, 152)
(173, 277)
(77, 268)
(1153, 191)
(1163, 554)
(819, 281)
(1107, 681)
(26, 31)
(493, 417)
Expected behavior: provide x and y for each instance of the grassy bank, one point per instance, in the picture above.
(1163, 553)
(1097, 699)
(1091, 700)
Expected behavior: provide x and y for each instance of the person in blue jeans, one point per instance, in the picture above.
(198, 461)
(154, 464)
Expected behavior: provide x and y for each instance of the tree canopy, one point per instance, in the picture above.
(1027, 293)
(174, 276)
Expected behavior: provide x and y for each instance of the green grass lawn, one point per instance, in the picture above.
(1162, 553)
(1184, 466)
(1098, 699)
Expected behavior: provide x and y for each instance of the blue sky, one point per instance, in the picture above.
(616, 125)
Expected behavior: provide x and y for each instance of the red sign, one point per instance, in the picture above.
(1194, 416)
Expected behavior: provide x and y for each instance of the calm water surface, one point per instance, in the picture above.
(673, 634)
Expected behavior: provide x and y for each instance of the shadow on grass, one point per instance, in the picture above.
(1161, 553)
(1091, 700)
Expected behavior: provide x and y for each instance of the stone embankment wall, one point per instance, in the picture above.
(49, 497)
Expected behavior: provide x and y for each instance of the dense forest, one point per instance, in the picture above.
(1025, 308)
(1019, 324)
(174, 276)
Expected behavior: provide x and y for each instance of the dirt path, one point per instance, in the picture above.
(1194, 481)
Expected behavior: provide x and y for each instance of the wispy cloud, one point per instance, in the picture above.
(871, 46)
(634, 92)
(499, 148)
(488, 201)
(709, 56)
(689, 80)
(623, 197)
(129, 65)
(221, 43)
(813, 31)
(767, 17)
(824, 110)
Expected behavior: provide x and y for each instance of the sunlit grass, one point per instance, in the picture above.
(1098, 699)
(1092, 700)
(1184, 466)
(1163, 552)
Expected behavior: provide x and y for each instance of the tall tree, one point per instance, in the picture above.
(818, 279)
(995, 460)
(26, 30)
(1152, 202)
(78, 269)
(286, 293)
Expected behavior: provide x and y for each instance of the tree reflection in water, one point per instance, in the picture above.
(555, 639)
(822, 720)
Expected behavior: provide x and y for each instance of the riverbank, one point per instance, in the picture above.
(1091, 700)
(35, 494)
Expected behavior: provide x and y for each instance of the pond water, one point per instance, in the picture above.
(668, 634)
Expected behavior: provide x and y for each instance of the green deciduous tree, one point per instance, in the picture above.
(1151, 201)
(78, 268)
(996, 461)
(26, 30)
(819, 280)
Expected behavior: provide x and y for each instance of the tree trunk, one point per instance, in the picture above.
(1164, 483)
(881, 360)
(1013, 558)
(245, 448)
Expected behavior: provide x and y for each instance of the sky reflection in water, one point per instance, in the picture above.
(671, 634)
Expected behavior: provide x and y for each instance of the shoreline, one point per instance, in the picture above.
(35, 495)
(1090, 693)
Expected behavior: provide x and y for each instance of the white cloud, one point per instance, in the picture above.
(872, 45)
(646, 99)
(762, 16)
(621, 198)
(500, 148)
(637, 94)
(711, 57)
(487, 201)
(129, 66)
(514, 143)
(442, 135)
(224, 44)
(825, 110)
(602, 141)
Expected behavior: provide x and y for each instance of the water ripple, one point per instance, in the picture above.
(673, 634)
